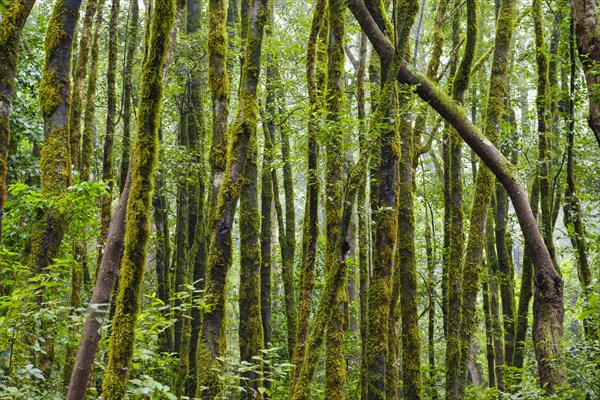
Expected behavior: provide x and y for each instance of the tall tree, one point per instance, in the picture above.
(251, 329)
(11, 27)
(310, 227)
(484, 184)
(243, 132)
(50, 222)
(549, 287)
(138, 204)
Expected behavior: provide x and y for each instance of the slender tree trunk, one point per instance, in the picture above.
(572, 209)
(505, 275)
(489, 334)
(361, 210)
(310, 229)
(11, 27)
(585, 17)
(160, 206)
(111, 109)
(108, 272)
(243, 134)
(526, 292)
(456, 244)
(430, 256)
(89, 128)
(497, 336)
(266, 203)
(197, 206)
(138, 205)
(335, 365)
(549, 285)
(80, 72)
(132, 38)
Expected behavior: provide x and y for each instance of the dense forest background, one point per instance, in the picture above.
(274, 199)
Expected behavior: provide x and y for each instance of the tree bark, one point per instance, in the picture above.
(243, 132)
(98, 308)
(11, 27)
(549, 306)
(587, 28)
(138, 205)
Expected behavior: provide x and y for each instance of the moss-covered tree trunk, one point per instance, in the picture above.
(197, 207)
(50, 223)
(335, 365)
(431, 292)
(386, 225)
(132, 38)
(363, 219)
(505, 274)
(549, 285)
(11, 26)
(587, 28)
(266, 211)
(79, 270)
(181, 233)
(526, 291)
(572, 208)
(250, 328)
(138, 205)
(111, 110)
(494, 306)
(489, 341)
(484, 184)
(243, 132)
(456, 245)
(310, 229)
(80, 72)
(87, 139)
(548, 301)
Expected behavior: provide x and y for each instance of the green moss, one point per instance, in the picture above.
(138, 205)
(55, 30)
(80, 72)
(50, 93)
(218, 81)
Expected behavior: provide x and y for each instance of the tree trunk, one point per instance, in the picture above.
(80, 72)
(132, 35)
(138, 205)
(243, 133)
(548, 319)
(11, 26)
(587, 27)
(310, 229)
(111, 109)
(108, 272)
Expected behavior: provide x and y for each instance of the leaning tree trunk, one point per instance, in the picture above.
(138, 205)
(549, 306)
(98, 309)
